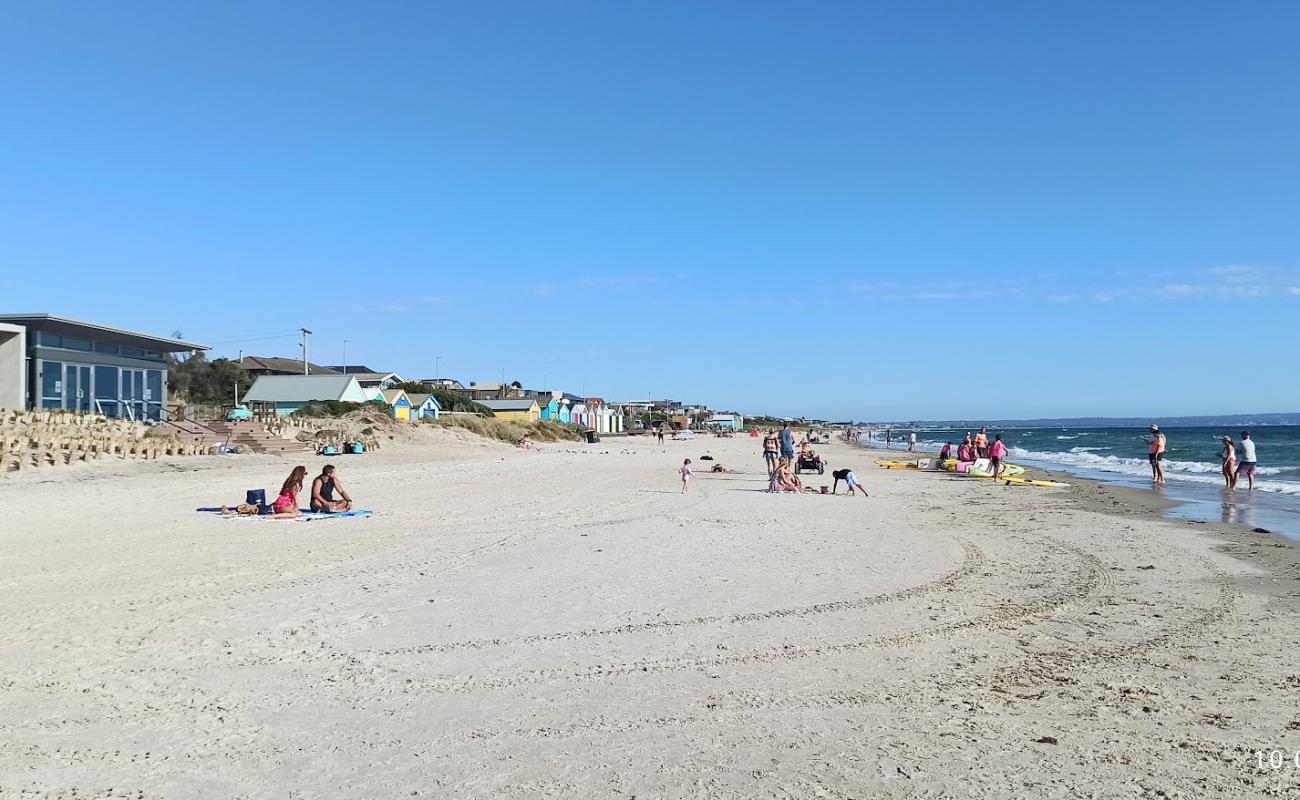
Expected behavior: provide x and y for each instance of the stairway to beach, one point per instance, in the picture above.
(255, 436)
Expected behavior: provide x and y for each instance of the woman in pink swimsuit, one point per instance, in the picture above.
(286, 505)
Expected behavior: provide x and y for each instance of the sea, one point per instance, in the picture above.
(1194, 481)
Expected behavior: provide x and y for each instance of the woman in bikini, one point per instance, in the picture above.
(1229, 456)
(286, 505)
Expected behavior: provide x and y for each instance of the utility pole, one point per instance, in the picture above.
(305, 334)
(345, 356)
(437, 361)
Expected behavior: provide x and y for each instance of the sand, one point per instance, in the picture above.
(565, 623)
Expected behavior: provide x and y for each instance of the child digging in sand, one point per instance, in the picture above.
(686, 475)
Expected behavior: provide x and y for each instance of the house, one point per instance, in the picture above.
(601, 416)
(369, 378)
(285, 394)
(53, 362)
(443, 383)
(549, 403)
(268, 365)
(516, 409)
(733, 422)
(423, 405)
(492, 390)
(578, 414)
(397, 402)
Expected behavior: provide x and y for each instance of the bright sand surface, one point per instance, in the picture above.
(565, 623)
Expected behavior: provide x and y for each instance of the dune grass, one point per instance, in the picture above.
(508, 431)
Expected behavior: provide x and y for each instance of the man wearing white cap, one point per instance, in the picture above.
(1157, 443)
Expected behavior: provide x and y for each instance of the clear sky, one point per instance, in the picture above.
(924, 210)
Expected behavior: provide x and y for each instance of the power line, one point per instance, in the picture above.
(255, 338)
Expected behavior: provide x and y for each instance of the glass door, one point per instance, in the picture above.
(106, 391)
(76, 388)
(153, 393)
(133, 394)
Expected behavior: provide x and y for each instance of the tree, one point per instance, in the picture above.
(197, 380)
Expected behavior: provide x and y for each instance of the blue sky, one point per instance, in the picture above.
(930, 210)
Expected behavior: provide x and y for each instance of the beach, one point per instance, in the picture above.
(565, 623)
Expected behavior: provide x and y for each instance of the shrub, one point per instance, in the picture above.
(337, 408)
(509, 431)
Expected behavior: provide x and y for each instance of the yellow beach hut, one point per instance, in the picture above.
(523, 409)
(398, 403)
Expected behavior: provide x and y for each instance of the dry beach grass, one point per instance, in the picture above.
(563, 623)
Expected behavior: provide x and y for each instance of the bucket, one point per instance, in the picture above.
(825, 489)
(593, 437)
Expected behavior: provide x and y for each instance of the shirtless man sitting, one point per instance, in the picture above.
(322, 493)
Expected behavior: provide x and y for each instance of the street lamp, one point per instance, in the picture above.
(437, 360)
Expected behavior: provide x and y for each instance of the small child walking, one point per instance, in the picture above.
(686, 475)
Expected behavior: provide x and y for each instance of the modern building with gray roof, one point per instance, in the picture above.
(59, 363)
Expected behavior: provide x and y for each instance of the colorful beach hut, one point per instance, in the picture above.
(398, 403)
(549, 408)
(423, 405)
(521, 409)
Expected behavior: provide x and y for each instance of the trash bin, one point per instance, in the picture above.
(593, 437)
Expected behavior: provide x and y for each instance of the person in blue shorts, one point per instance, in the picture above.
(787, 442)
(848, 477)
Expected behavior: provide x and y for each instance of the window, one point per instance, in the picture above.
(51, 384)
(77, 344)
(104, 347)
(134, 352)
(51, 340)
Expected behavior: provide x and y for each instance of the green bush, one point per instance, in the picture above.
(337, 408)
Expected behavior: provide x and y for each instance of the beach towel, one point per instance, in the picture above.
(307, 515)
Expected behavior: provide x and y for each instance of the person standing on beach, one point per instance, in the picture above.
(770, 451)
(787, 442)
(911, 442)
(686, 475)
(1158, 443)
(997, 452)
(889, 439)
(982, 443)
(1247, 463)
(1229, 458)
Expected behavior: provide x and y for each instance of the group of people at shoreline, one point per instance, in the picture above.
(1238, 458)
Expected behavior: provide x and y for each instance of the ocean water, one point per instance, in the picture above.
(1192, 466)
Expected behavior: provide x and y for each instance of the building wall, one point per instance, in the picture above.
(13, 366)
(519, 416)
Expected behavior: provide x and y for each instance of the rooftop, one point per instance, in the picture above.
(162, 344)
(296, 388)
(516, 404)
(289, 366)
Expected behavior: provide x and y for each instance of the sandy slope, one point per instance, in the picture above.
(566, 624)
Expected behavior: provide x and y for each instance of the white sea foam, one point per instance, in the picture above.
(1196, 471)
